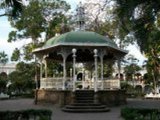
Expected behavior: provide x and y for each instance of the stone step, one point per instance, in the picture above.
(86, 104)
(92, 91)
(84, 101)
(84, 92)
(85, 110)
(84, 98)
(85, 107)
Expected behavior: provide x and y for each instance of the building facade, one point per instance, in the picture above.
(7, 68)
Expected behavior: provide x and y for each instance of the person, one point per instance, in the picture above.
(68, 84)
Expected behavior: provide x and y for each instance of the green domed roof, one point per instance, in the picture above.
(80, 38)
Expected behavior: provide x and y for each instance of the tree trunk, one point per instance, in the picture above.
(154, 82)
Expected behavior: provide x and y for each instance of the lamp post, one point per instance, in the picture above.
(74, 70)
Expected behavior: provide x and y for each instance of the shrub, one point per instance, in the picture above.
(140, 114)
(26, 115)
(128, 113)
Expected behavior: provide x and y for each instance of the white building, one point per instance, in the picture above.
(8, 68)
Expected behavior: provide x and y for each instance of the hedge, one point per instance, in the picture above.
(140, 114)
(26, 115)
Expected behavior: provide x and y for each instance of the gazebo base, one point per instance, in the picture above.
(65, 97)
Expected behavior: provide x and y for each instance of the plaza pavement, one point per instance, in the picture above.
(114, 114)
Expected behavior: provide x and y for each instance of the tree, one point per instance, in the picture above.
(101, 17)
(3, 58)
(12, 8)
(15, 55)
(103, 20)
(23, 78)
(142, 18)
(39, 21)
(95, 17)
(54, 69)
(131, 70)
(3, 76)
(3, 82)
(153, 68)
(131, 67)
(148, 79)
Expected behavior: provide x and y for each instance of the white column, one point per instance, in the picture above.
(46, 72)
(96, 76)
(83, 78)
(102, 81)
(74, 70)
(36, 74)
(70, 73)
(119, 68)
(64, 53)
(64, 71)
(41, 72)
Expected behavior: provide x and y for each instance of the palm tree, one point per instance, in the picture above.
(3, 58)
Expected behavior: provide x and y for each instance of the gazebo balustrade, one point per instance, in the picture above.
(57, 83)
(108, 84)
(112, 84)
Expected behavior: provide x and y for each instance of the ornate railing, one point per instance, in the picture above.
(135, 83)
(51, 83)
(57, 83)
(107, 84)
(112, 84)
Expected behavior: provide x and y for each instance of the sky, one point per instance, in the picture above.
(5, 28)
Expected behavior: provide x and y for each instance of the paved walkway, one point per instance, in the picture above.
(114, 114)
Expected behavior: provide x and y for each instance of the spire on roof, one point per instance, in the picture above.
(80, 17)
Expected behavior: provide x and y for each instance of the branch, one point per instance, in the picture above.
(5, 14)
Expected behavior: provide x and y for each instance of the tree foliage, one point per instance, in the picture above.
(131, 68)
(141, 17)
(3, 58)
(12, 8)
(39, 21)
(3, 75)
(38, 17)
(3, 82)
(96, 20)
(15, 55)
(101, 18)
(54, 69)
(23, 78)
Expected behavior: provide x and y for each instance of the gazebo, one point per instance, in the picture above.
(79, 47)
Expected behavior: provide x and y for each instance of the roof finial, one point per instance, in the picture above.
(80, 16)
